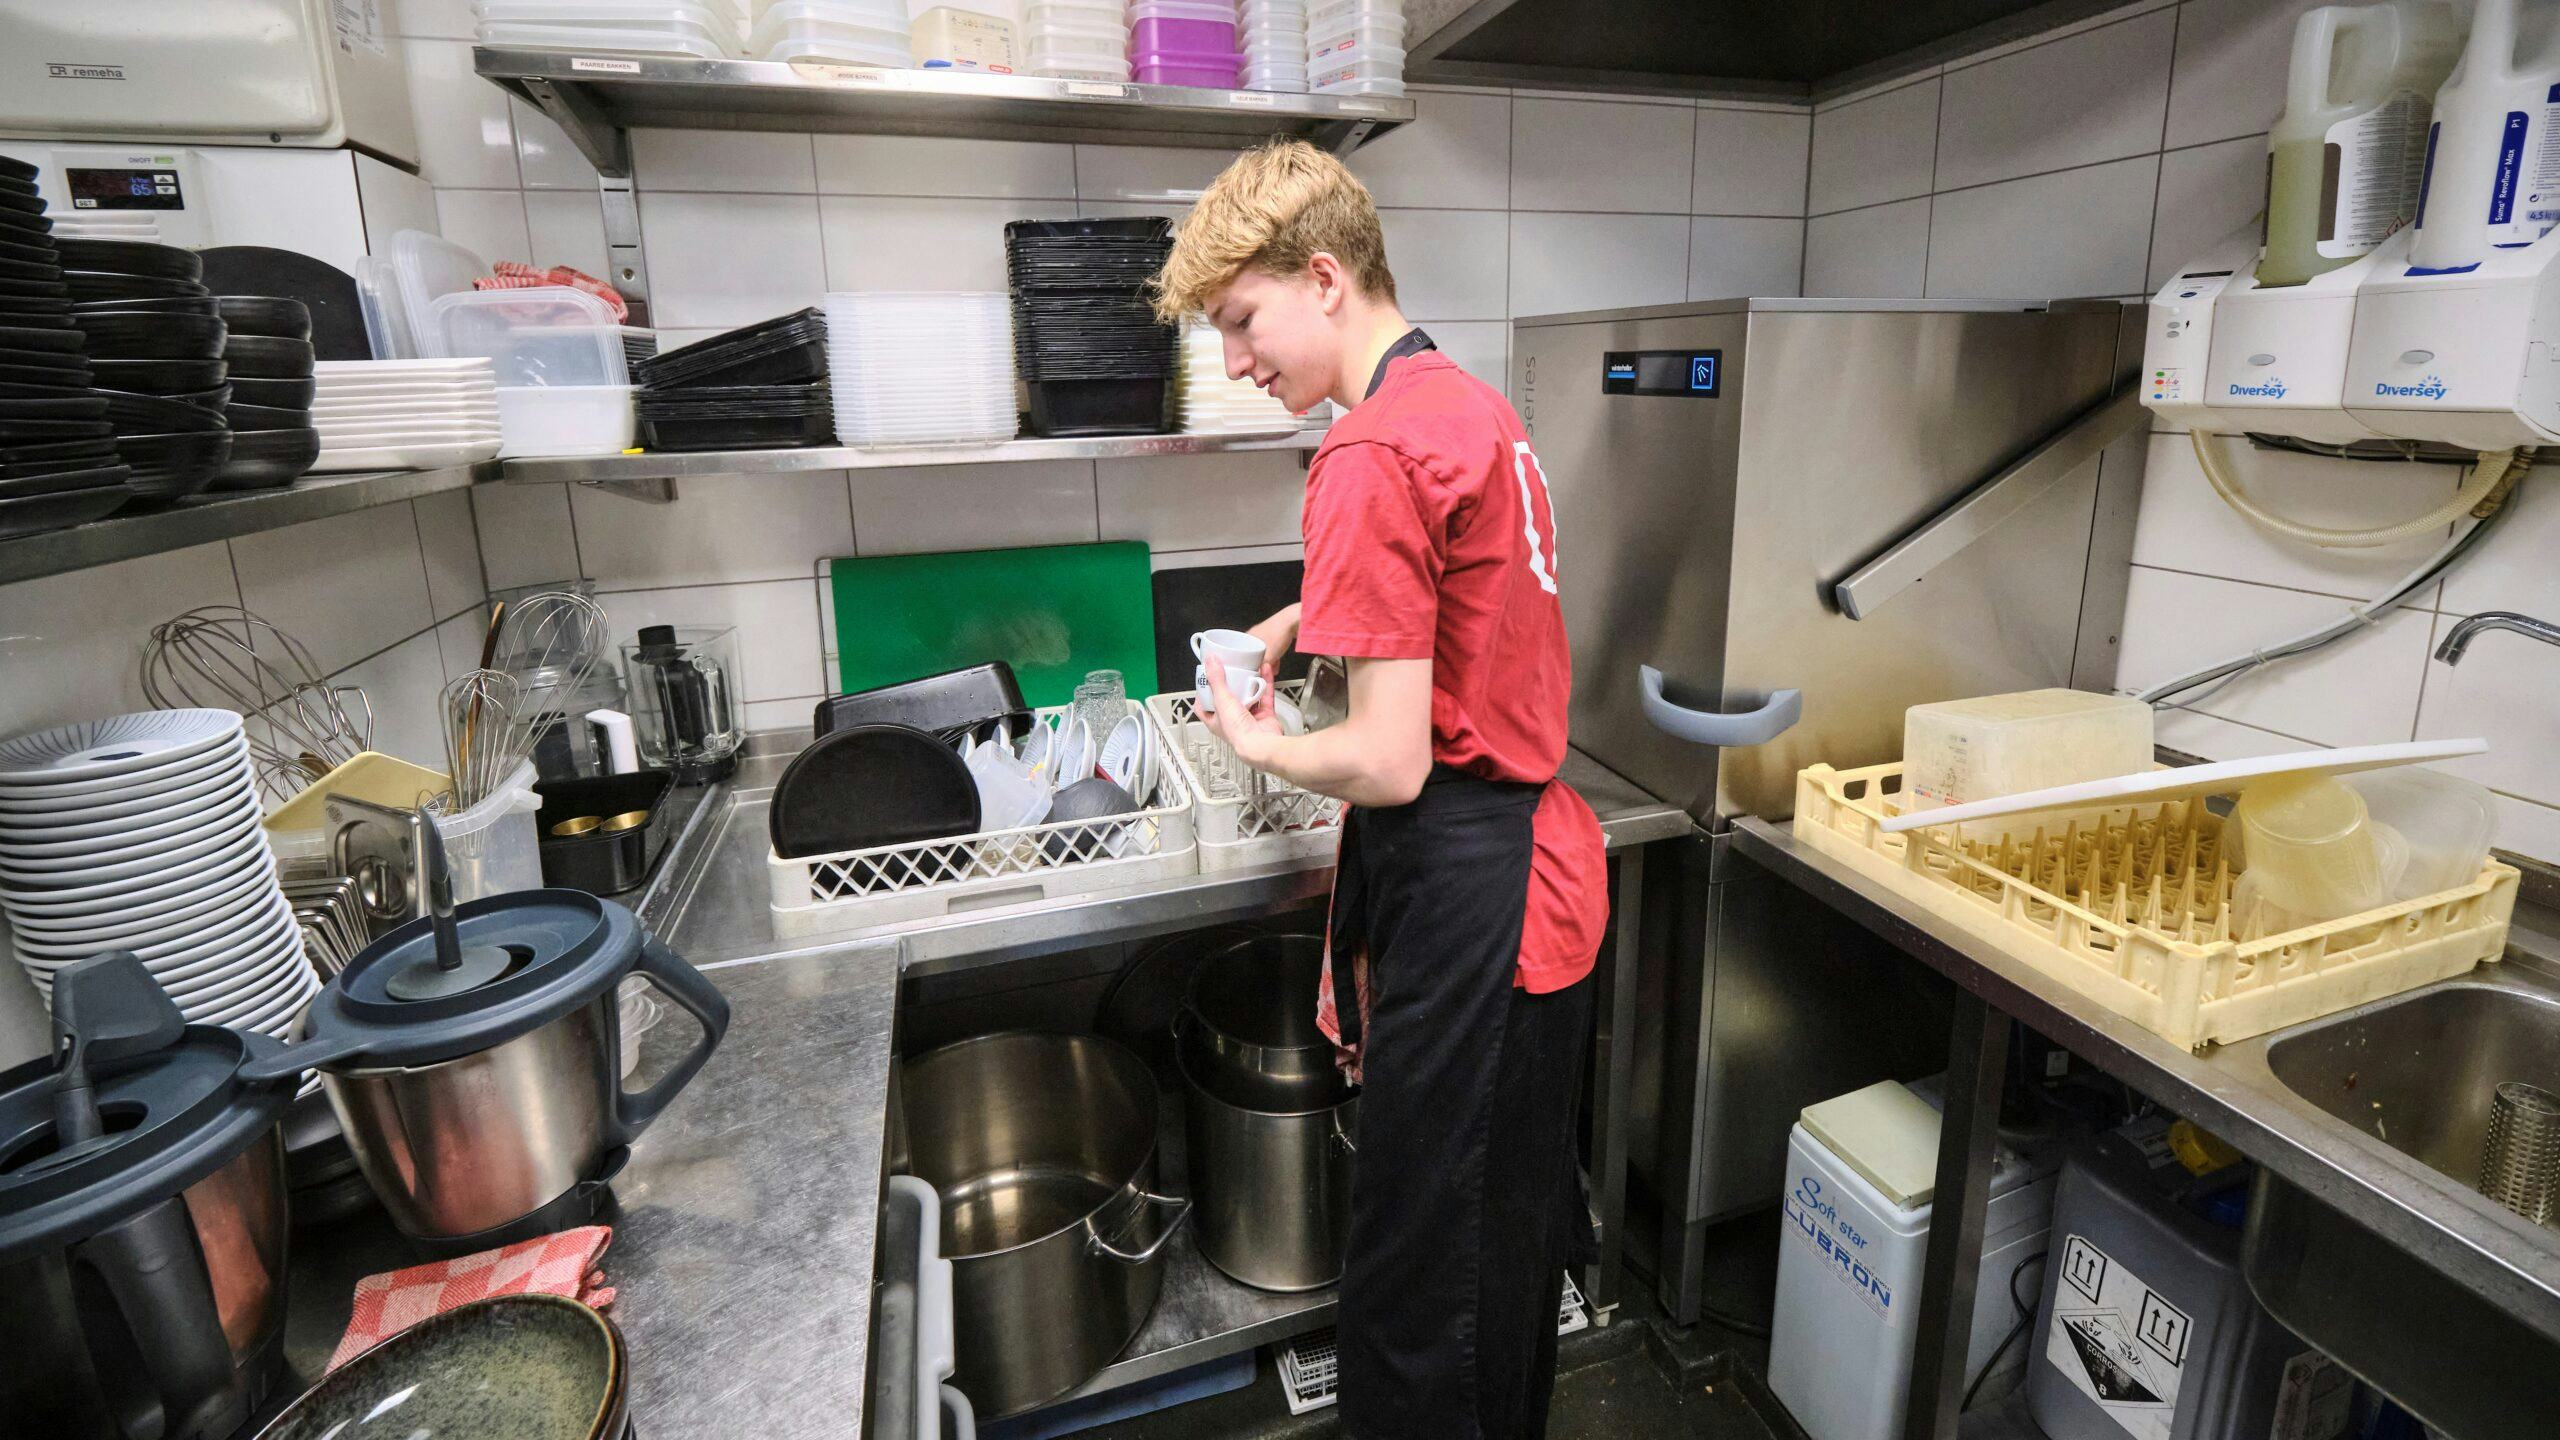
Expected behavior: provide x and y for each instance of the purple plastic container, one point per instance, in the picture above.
(1205, 69)
(1191, 37)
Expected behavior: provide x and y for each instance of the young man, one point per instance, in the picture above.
(1470, 897)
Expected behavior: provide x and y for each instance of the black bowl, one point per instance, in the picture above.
(76, 405)
(201, 305)
(151, 337)
(48, 430)
(37, 514)
(27, 254)
(131, 257)
(268, 357)
(265, 315)
(25, 272)
(57, 453)
(151, 414)
(105, 285)
(264, 459)
(170, 465)
(280, 394)
(267, 417)
(213, 397)
(102, 454)
(53, 385)
(58, 480)
(36, 337)
(157, 377)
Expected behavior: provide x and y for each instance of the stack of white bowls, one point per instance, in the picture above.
(667, 27)
(141, 833)
(405, 414)
(925, 368)
(846, 32)
(1273, 36)
(1076, 39)
(1212, 404)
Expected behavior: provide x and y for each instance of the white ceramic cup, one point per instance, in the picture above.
(1232, 648)
(1247, 685)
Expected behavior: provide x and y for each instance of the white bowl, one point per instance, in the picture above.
(160, 778)
(280, 992)
(213, 833)
(154, 938)
(117, 745)
(115, 926)
(109, 896)
(72, 823)
(101, 838)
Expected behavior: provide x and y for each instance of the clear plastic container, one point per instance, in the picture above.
(878, 14)
(2445, 821)
(1211, 11)
(948, 38)
(1350, 68)
(2310, 853)
(1205, 71)
(561, 420)
(816, 30)
(1355, 85)
(1080, 65)
(1324, 41)
(425, 268)
(1053, 37)
(492, 848)
(545, 335)
(1205, 37)
(601, 38)
(1959, 751)
(1326, 11)
(684, 683)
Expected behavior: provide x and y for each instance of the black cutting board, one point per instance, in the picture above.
(1219, 597)
(329, 293)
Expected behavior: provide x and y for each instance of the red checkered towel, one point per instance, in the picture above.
(516, 275)
(562, 1264)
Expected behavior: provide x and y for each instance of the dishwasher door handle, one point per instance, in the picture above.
(1707, 727)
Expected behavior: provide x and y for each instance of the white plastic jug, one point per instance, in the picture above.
(2343, 162)
(2493, 159)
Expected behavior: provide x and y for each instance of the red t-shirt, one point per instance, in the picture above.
(1430, 536)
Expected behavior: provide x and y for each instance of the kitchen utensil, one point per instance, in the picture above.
(472, 1056)
(144, 1262)
(1124, 754)
(2520, 1158)
(1247, 686)
(1043, 1148)
(335, 323)
(613, 852)
(684, 684)
(1101, 701)
(554, 643)
(522, 1367)
(2309, 854)
(867, 786)
(934, 702)
(2158, 786)
(225, 657)
(1011, 796)
(480, 726)
(1092, 798)
(1071, 755)
(1232, 648)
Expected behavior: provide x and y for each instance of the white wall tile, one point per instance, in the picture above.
(1881, 251)
(728, 260)
(1455, 155)
(875, 243)
(1239, 555)
(488, 223)
(1565, 262)
(2230, 67)
(2205, 194)
(2515, 568)
(1146, 172)
(2081, 232)
(2106, 17)
(2502, 693)
(791, 713)
(434, 19)
(909, 165)
(720, 527)
(402, 685)
(2096, 96)
(1201, 502)
(1172, 210)
(465, 138)
(1875, 150)
(777, 624)
(1597, 155)
(566, 227)
(2214, 738)
(1731, 256)
(2184, 525)
(458, 642)
(1449, 264)
(450, 541)
(2362, 690)
(973, 507)
(756, 162)
(1750, 162)
(345, 586)
(1871, 90)
(1481, 348)
(71, 644)
(2525, 828)
(525, 534)
(544, 151)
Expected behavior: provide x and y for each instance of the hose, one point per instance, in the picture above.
(2494, 470)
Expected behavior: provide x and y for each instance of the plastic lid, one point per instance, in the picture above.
(547, 335)
(1206, 10)
(427, 268)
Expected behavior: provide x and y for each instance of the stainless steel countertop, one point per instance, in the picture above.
(2230, 1089)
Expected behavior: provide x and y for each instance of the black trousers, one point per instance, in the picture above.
(1467, 1205)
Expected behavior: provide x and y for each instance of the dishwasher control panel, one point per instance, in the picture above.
(1692, 374)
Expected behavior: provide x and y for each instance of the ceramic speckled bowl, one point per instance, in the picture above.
(519, 1367)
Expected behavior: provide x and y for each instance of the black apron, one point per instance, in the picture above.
(1467, 1205)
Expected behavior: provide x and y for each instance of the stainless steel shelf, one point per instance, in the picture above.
(597, 98)
(673, 465)
(126, 537)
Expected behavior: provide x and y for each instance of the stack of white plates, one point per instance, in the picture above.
(659, 27)
(141, 833)
(405, 414)
(1212, 404)
(928, 368)
(105, 225)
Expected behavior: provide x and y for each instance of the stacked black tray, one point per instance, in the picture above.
(271, 355)
(155, 346)
(759, 387)
(1092, 356)
(58, 462)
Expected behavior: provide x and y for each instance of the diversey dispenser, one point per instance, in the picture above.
(2465, 356)
(2493, 159)
(2278, 360)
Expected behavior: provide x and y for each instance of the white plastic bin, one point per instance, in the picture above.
(492, 848)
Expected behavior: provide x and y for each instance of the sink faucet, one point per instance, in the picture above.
(2450, 652)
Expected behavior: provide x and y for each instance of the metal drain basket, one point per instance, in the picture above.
(2520, 1160)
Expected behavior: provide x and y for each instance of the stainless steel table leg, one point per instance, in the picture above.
(1977, 1052)
(1612, 1075)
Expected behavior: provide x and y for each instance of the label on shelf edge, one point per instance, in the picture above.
(1250, 97)
(825, 74)
(1098, 89)
(592, 65)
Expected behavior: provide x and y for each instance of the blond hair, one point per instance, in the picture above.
(1272, 210)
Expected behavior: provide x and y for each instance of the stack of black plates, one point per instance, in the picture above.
(155, 348)
(58, 464)
(269, 353)
(785, 350)
(737, 417)
(1089, 349)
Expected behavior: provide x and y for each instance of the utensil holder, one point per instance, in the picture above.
(2520, 1159)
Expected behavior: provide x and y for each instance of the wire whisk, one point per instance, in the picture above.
(547, 646)
(222, 657)
(482, 722)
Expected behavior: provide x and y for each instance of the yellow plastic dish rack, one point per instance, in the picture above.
(2131, 906)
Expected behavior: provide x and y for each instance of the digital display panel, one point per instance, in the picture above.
(124, 189)
(1692, 374)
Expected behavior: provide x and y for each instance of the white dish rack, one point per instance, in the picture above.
(1237, 828)
(929, 879)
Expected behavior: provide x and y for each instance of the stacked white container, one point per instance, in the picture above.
(852, 32)
(926, 368)
(1076, 39)
(1356, 47)
(1273, 37)
(1212, 403)
(676, 27)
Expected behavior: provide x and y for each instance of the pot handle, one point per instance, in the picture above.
(690, 988)
(1341, 1136)
(164, 1365)
(1094, 1244)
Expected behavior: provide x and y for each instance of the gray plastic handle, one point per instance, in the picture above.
(1704, 727)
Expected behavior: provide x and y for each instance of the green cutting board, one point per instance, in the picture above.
(1053, 613)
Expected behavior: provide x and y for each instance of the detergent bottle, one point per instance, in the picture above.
(2343, 163)
(2493, 160)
